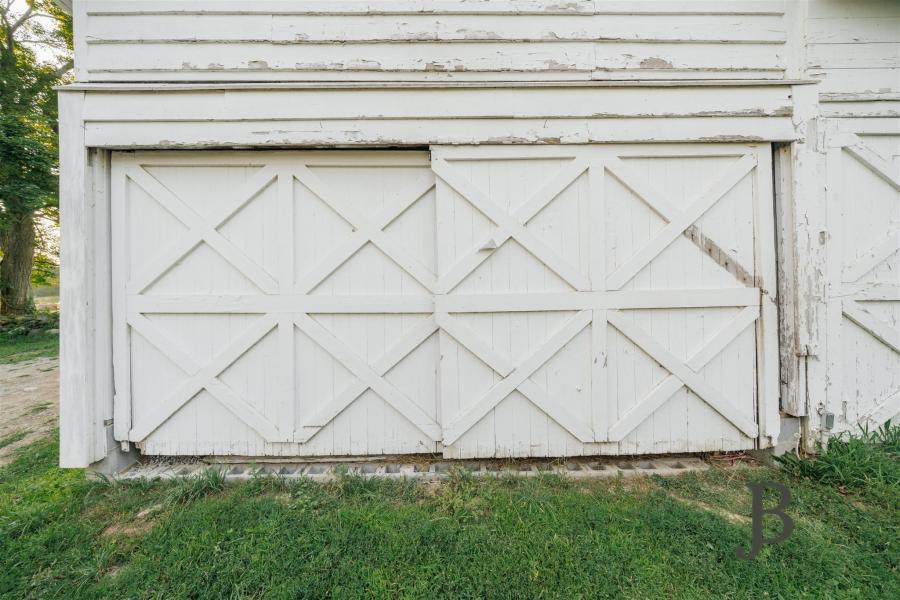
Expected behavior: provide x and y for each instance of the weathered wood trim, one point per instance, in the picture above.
(283, 159)
(85, 330)
(75, 411)
(371, 133)
(807, 189)
(792, 399)
(411, 104)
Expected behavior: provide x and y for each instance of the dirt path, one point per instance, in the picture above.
(29, 403)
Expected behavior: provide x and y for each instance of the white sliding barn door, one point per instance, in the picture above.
(275, 303)
(605, 299)
(864, 277)
(484, 301)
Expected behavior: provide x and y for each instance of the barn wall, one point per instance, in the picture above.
(233, 40)
(132, 116)
(819, 76)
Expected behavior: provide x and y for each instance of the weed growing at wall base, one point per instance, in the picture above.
(868, 460)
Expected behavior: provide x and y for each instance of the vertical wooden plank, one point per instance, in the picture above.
(77, 414)
(643, 366)
(602, 408)
(834, 250)
(285, 374)
(767, 324)
(380, 331)
(811, 231)
(121, 338)
(447, 404)
(792, 401)
(447, 374)
(104, 385)
(286, 348)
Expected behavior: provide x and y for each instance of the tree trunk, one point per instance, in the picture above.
(17, 243)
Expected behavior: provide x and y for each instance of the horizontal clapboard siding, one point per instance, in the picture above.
(854, 48)
(423, 114)
(426, 40)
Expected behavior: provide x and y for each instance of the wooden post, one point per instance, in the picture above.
(86, 385)
(808, 191)
(78, 435)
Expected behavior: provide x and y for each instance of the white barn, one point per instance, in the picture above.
(478, 228)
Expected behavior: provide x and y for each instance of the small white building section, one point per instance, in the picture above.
(480, 228)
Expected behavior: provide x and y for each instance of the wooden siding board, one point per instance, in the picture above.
(234, 58)
(407, 7)
(881, 55)
(299, 30)
(853, 30)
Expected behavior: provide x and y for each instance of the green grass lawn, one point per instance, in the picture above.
(62, 536)
(16, 348)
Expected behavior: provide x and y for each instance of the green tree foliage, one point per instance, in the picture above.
(28, 136)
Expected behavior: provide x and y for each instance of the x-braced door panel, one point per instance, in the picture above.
(275, 303)
(863, 332)
(605, 299)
